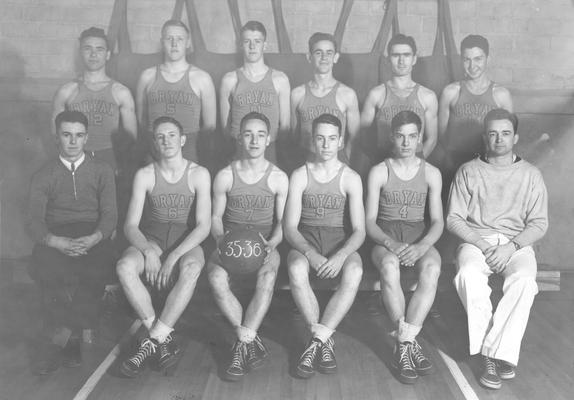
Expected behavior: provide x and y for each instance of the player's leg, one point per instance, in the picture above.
(388, 265)
(504, 338)
(471, 283)
(423, 297)
(306, 301)
(256, 310)
(233, 311)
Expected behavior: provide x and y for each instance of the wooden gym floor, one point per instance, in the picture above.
(363, 350)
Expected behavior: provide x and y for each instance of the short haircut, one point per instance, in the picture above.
(174, 22)
(326, 119)
(319, 36)
(402, 39)
(498, 114)
(164, 119)
(71, 116)
(254, 26)
(405, 117)
(94, 32)
(254, 115)
(474, 41)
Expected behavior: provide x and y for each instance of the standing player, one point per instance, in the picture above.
(498, 207)
(398, 191)
(108, 104)
(464, 104)
(323, 94)
(249, 193)
(178, 89)
(72, 215)
(324, 241)
(165, 252)
(397, 94)
(255, 87)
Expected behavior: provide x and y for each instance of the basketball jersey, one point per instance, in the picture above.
(255, 96)
(311, 107)
(465, 124)
(403, 200)
(392, 105)
(170, 202)
(102, 111)
(250, 203)
(323, 204)
(177, 100)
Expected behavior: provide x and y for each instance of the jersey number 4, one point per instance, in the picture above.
(404, 211)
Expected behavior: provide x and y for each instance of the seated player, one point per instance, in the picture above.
(498, 207)
(249, 193)
(399, 189)
(324, 241)
(72, 215)
(164, 252)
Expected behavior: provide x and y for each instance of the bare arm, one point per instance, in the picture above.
(145, 80)
(377, 179)
(502, 97)
(283, 88)
(353, 187)
(221, 186)
(279, 183)
(227, 85)
(430, 133)
(59, 101)
(208, 102)
(297, 185)
(296, 98)
(353, 119)
(126, 105)
(447, 99)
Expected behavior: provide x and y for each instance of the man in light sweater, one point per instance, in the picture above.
(72, 215)
(498, 207)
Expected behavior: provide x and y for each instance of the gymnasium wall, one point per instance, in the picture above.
(532, 53)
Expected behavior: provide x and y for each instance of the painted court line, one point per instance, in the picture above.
(459, 378)
(93, 380)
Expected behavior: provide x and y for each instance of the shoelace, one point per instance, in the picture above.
(239, 351)
(417, 353)
(147, 348)
(259, 343)
(490, 366)
(405, 359)
(251, 351)
(327, 351)
(164, 348)
(309, 355)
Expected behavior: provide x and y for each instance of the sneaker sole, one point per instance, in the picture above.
(425, 371)
(169, 362)
(327, 370)
(489, 384)
(304, 374)
(256, 364)
(233, 377)
(507, 376)
(408, 380)
(128, 373)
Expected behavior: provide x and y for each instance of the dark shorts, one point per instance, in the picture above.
(404, 231)
(167, 235)
(265, 230)
(326, 239)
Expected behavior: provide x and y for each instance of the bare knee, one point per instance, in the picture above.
(190, 269)
(126, 269)
(352, 272)
(298, 273)
(390, 269)
(429, 273)
(266, 279)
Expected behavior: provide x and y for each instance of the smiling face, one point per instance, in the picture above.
(402, 59)
(327, 140)
(252, 45)
(168, 140)
(323, 56)
(175, 41)
(405, 141)
(499, 138)
(254, 138)
(94, 53)
(71, 138)
(474, 61)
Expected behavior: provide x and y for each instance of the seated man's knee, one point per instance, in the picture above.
(353, 270)
(190, 269)
(266, 279)
(429, 271)
(298, 269)
(126, 269)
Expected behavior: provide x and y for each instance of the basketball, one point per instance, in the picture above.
(242, 251)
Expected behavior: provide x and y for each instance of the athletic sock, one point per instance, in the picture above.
(245, 334)
(407, 332)
(160, 331)
(148, 322)
(321, 332)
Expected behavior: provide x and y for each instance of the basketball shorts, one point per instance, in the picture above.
(167, 235)
(326, 239)
(265, 230)
(404, 231)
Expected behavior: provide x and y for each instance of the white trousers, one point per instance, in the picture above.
(497, 335)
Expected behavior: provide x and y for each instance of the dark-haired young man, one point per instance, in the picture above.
(72, 215)
(498, 207)
(178, 89)
(323, 94)
(108, 105)
(324, 241)
(397, 94)
(255, 87)
(164, 250)
(250, 193)
(464, 104)
(399, 190)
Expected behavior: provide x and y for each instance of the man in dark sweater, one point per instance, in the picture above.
(72, 216)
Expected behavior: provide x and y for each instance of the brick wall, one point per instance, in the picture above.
(532, 48)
